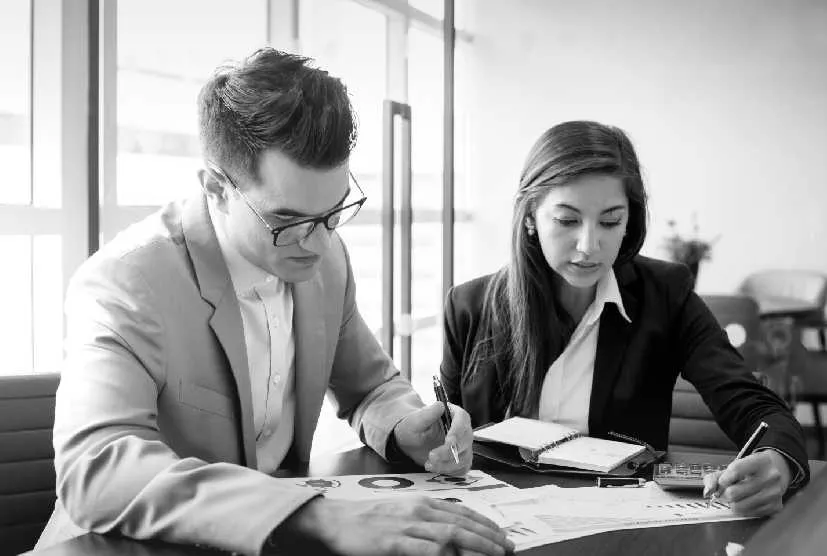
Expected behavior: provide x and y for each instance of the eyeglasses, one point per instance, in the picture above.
(298, 231)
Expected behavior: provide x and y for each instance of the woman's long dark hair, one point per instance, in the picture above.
(520, 311)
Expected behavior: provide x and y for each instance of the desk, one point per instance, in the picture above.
(774, 306)
(799, 529)
(678, 540)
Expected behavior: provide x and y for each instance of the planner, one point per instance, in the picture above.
(546, 443)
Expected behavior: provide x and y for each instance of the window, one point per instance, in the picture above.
(15, 101)
(15, 159)
(162, 62)
(44, 178)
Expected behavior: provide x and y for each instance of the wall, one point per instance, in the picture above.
(725, 101)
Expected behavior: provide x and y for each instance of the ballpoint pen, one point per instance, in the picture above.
(442, 397)
(748, 448)
(604, 482)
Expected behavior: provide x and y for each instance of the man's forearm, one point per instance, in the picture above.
(303, 532)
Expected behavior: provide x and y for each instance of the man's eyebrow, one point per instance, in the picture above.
(290, 213)
(605, 211)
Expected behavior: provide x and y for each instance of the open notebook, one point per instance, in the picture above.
(547, 443)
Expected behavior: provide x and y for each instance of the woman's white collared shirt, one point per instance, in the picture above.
(567, 386)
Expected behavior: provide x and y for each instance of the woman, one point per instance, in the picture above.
(580, 329)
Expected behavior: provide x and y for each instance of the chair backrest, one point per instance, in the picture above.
(692, 426)
(740, 318)
(27, 473)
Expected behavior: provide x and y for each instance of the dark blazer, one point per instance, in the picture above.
(636, 364)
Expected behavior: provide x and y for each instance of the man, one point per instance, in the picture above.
(201, 342)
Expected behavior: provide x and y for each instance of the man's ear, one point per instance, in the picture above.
(213, 186)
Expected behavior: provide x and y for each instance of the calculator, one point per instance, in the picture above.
(676, 475)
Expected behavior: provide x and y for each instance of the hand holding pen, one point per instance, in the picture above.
(441, 397)
(754, 482)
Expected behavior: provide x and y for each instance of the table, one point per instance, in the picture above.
(799, 529)
(678, 540)
(774, 306)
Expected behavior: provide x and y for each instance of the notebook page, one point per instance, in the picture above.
(525, 433)
(595, 454)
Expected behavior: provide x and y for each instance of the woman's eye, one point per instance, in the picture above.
(610, 223)
(567, 222)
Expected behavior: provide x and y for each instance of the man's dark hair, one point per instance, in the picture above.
(273, 99)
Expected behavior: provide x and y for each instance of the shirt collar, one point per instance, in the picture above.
(244, 274)
(607, 292)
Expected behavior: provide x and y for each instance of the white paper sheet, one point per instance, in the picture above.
(357, 487)
(534, 516)
(554, 514)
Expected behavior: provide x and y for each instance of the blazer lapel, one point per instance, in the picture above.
(613, 337)
(217, 289)
(311, 360)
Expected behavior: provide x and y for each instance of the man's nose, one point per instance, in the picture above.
(318, 241)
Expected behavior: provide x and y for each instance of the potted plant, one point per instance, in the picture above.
(689, 251)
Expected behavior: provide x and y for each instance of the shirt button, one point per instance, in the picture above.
(276, 379)
(268, 431)
(269, 279)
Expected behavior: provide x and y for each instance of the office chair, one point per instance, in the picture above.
(809, 385)
(692, 426)
(27, 473)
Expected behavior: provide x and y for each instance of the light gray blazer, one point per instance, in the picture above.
(154, 433)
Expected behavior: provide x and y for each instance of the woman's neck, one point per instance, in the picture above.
(575, 301)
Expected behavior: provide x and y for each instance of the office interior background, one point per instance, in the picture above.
(726, 103)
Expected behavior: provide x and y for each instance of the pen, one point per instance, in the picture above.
(748, 448)
(603, 482)
(441, 396)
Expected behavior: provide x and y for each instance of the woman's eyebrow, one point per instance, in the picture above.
(290, 213)
(614, 208)
(577, 210)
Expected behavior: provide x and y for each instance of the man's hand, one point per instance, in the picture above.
(752, 485)
(419, 435)
(409, 525)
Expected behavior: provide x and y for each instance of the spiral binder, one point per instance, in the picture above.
(532, 456)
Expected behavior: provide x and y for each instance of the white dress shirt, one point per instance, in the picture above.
(266, 304)
(567, 387)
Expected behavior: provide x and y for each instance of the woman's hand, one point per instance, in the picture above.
(753, 485)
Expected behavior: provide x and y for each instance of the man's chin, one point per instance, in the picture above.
(295, 274)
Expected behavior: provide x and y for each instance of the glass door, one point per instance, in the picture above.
(390, 54)
(350, 41)
(425, 95)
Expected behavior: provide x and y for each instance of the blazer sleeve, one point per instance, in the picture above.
(366, 386)
(114, 471)
(737, 400)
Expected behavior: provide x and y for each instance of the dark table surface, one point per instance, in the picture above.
(708, 538)
(801, 528)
